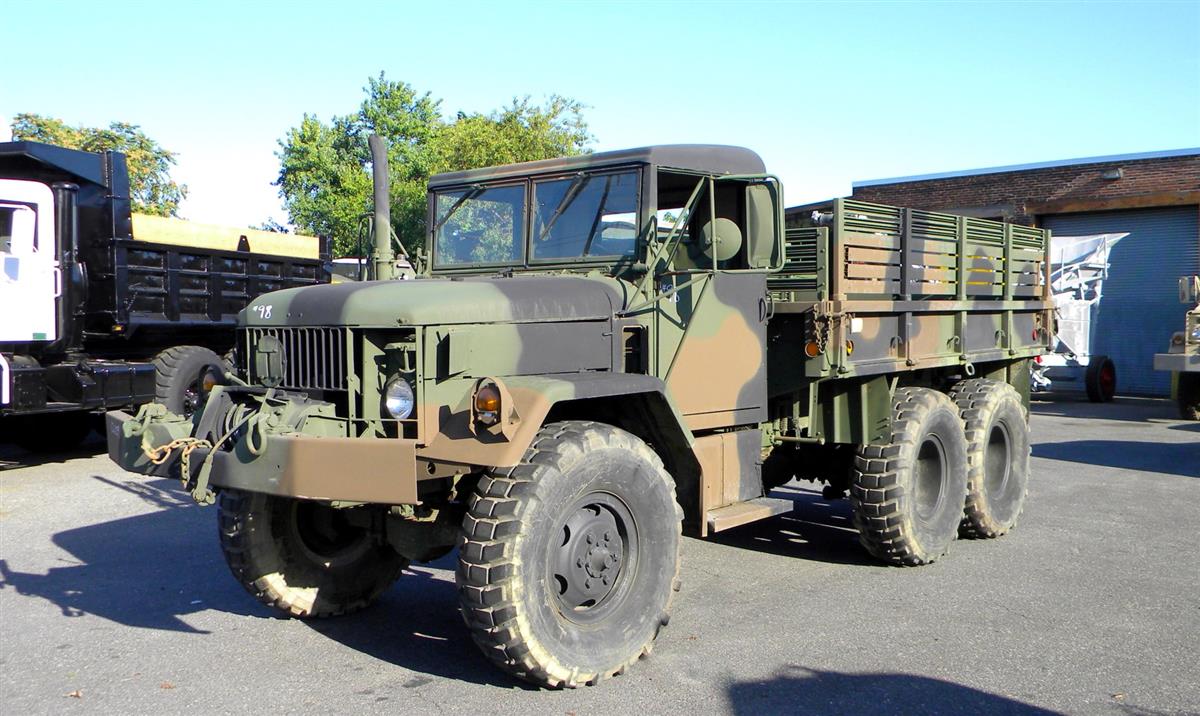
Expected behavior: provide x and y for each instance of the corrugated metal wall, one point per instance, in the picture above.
(1140, 308)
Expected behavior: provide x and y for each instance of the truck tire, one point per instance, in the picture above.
(1100, 380)
(907, 496)
(1188, 396)
(177, 380)
(301, 557)
(997, 428)
(569, 561)
(49, 433)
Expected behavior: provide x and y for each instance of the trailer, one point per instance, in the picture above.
(602, 353)
(101, 308)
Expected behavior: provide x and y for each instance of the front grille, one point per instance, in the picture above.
(314, 357)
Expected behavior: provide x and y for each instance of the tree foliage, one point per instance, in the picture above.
(324, 176)
(153, 191)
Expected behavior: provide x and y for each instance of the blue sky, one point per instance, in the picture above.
(827, 93)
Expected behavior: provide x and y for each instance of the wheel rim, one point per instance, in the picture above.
(593, 558)
(1108, 379)
(997, 462)
(325, 535)
(930, 475)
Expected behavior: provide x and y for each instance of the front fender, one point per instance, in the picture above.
(533, 397)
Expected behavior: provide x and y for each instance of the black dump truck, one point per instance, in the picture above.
(102, 308)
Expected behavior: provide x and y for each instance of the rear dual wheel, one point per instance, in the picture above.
(907, 495)
(955, 465)
(997, 431)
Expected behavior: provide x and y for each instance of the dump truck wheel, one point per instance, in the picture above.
(907, 496)
(303, 557)
(177, 380)
(569, 561)
(997, 429)
(1189, 396)
(1100, 380)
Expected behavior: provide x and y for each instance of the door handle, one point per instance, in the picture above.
(57, 281)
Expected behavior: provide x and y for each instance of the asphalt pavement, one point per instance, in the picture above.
(114, 598)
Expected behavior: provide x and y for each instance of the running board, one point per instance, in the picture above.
(741, 513)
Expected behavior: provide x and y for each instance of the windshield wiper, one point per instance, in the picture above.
(587, 246)
(576, 184)
(467, 196)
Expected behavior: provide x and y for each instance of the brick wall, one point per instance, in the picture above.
(1021, 196)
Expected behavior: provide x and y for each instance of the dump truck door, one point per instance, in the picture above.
(30, 281)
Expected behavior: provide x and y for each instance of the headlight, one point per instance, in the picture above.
(398, 398)
(1196, 332)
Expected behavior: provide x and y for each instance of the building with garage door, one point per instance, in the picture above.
(1154, 196)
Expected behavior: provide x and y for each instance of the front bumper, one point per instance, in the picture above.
(381, 471)
(1177, 362)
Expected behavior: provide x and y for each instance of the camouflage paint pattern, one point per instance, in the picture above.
(721, 349)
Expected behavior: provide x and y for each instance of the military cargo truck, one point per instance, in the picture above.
(1182, 358)
(601, 352)
(101, 307)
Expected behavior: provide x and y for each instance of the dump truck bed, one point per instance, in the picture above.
(887, 289)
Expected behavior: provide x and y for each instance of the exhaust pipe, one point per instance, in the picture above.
(384, 260)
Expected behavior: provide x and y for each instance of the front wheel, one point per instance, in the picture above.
(304, 558)
(569, 561)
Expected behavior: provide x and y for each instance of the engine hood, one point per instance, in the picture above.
(439, 301)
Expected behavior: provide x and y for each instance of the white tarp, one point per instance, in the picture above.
(1078, 267)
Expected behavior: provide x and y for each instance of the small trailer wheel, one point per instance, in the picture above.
(907, 496)
(1101, 379)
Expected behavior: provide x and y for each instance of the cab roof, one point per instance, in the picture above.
(702, 158)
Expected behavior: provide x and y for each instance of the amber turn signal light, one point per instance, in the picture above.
(487, 399)
(811, 349)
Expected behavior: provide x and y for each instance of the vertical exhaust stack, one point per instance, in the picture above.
(384, 261)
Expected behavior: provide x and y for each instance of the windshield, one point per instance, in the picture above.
(578, 217)
(592, 215)
(480, 226)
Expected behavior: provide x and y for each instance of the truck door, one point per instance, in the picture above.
(712, 316)
(30, 281)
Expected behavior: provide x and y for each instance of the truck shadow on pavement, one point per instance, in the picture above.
(802, 690)
(416, 625)
(152, 570)
(816, 529)
(1182, 459)
(143, 571)
(13, 457)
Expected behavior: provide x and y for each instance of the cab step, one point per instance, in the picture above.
(741, 513)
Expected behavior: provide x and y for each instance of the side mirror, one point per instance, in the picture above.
(764, 224)
(1189, 289)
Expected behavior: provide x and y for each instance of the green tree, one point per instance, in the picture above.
(324, 176)
(153, 191)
